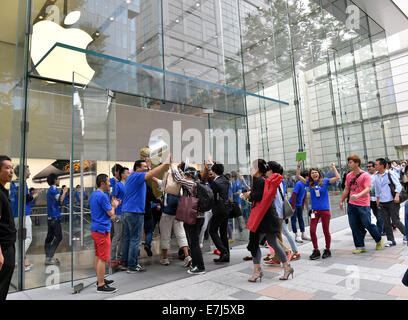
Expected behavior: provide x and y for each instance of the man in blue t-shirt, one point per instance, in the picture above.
(117, 225)
(102, 211)
(297, 201)
(133, 211)
(115, 173)
(54, 234)
(30, 199)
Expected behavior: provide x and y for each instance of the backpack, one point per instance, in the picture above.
(169, 185)
(205, 197)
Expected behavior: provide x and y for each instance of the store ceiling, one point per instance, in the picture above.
(385, 13)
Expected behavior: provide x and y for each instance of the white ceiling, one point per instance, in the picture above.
(385, 13)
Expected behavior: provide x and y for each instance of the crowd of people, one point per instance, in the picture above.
(196, 204)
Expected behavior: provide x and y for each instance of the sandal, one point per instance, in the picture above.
(268, 257)
(247, 258)
(295, 256)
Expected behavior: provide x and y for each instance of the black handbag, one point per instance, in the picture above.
(234, 211)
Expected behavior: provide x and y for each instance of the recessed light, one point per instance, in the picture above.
(128, 1)
(181, 58)
(143, 47)
(197, 4)
(198, 48)
(40, 17)
(111, 18)
(97, 34)
(177, 20)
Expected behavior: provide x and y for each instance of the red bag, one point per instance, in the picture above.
(259, 209)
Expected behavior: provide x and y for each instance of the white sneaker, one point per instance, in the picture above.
(164, 262)
(187, 261)
(299, 239)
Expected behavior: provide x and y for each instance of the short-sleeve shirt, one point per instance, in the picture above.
(14, 199)
(322, 202)
(363, 181)
(134, 199)
(99, 204)
(53, 209)
(300, 191)
(236, 185)
(119, 193)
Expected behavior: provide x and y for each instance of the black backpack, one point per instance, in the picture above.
(205, 197)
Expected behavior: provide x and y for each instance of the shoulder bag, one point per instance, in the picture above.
(403, 194)
(187, 209)
(287, 208)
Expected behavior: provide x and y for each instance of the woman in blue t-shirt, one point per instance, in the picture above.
(319, 197)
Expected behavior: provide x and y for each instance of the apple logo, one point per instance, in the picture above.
(61, 63)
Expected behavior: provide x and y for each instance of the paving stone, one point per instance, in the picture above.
(339, 272)
(245, 295)
(372, 296)
(367, 285)
(322, 295)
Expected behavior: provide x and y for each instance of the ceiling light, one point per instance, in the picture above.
(402, 5)
(143, 48)
(177, 20)
(111, 18)
(128, 1)
(197, 4)
(181, 58)
(97, 34)
(40, 17)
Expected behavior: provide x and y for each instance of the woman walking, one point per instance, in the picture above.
(319, 196)
(269, 227)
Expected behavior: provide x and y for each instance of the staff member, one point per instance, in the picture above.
(7, 228)
(102, 211)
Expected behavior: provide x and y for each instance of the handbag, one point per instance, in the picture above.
(287, 208)
(234, 211)
(187, 209)
(170, 186)
(403, 195)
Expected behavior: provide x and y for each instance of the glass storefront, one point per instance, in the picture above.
(92, 82)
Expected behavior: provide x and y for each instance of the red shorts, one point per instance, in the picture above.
(102, 243)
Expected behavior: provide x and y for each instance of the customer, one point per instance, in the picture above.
(373, 200)
(168, 223)
(386, 201)
(54, 234)
(275, 167)
(133, 210)
(219, 220)
(297, 201)
(358, 185)
(117, 224)
(7, 229)
(29, 199)
(102, 211)
(269, 227)
(188, 182)
(319, 196)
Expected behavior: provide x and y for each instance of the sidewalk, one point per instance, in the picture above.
(373, 275)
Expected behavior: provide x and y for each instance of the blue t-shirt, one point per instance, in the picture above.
(300, 191)
(236, 186)
(65, 202)
(99, 204)
(119, 193)
(134, 199)
(322, 202)
(53, 209)
(14, 199)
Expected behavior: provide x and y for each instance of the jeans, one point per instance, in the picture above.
(192, 233)
(117, 239)
(149, 228)
(378, 215)
(289, 236)
(54, 236)
(299, 215)
(246, 210)
(406, 219)
(361, 216)
(132, 237)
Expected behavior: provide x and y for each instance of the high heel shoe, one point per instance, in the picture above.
(258, 274)
(288, 271)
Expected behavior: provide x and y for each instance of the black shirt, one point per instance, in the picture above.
(7, 227)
